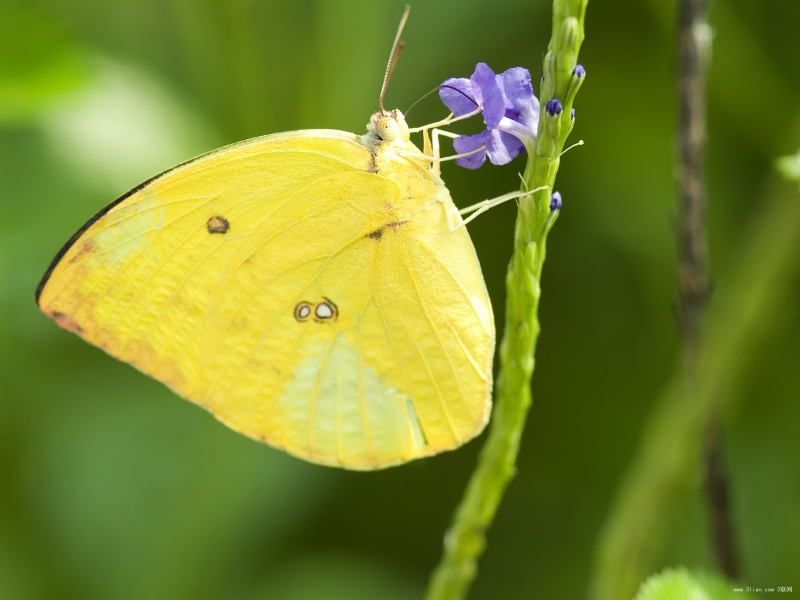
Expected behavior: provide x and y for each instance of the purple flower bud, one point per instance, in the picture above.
(555, 201)
(553, 107)
(572, 114)
(578, 71)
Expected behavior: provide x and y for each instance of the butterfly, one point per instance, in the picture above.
(313, 290)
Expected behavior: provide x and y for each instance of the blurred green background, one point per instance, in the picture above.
(111, 487)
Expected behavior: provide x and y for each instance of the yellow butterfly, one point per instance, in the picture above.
(314, 290)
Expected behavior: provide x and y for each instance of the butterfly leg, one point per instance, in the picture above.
(431, 150)
(453, 221)
(453, 218)
(426, 143)
(436, 165)
(436, 158)
(482, 207)
(427, 150)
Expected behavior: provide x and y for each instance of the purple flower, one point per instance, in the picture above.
(510, 112)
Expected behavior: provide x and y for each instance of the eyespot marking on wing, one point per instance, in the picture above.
(325, 311)
(376, 235)
(302, 311)
(322, 312)
(218, 224)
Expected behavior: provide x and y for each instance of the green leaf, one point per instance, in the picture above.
(789, 166)
(681, 584)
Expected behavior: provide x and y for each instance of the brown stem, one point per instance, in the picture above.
(718, 494)
(692, 60)
(694, 47)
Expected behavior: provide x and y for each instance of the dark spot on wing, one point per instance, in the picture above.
(393, 225)
(218, 224)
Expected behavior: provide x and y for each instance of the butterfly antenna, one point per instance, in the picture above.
(397, 48)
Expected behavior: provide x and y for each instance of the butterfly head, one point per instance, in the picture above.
(389, 126)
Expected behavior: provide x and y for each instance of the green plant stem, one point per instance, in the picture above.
(466, 539)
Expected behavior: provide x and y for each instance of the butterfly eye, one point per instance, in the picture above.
(302, 311)
(388, 129)
(326, 311)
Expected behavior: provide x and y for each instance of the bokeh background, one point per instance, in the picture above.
(111, 487)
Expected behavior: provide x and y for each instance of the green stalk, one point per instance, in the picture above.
(466, 539)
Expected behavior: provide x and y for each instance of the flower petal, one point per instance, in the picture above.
(488, 94)
(517, 86)
(502, 147)
(518, 90)
(518, 130)
(457, 95)
(468, 143)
